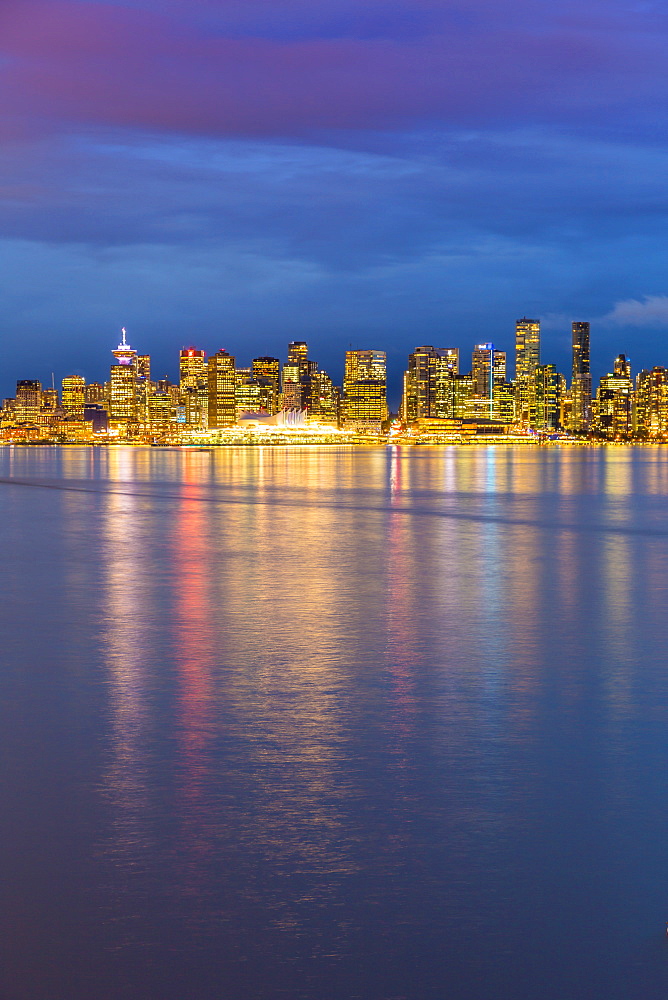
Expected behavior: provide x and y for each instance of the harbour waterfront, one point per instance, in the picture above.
(376, 723)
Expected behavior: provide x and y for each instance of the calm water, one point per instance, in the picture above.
(334, 724)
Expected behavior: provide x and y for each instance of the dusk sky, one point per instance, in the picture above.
(386, 174)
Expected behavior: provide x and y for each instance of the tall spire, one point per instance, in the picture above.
(124, 354)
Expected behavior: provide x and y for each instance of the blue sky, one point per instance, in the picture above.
(240, 175)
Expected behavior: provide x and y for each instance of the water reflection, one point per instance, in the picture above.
(371, 714)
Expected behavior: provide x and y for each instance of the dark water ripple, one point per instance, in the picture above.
(334, 723)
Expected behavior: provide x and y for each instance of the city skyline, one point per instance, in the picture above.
(217, 399)
(334, 358)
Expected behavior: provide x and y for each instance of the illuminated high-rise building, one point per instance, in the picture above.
(429, 383)
(365, 388)
(123, 383)
(95, 392)
(614, 403)
(267, 368)
(581, 390)
(159, 408)
(298, 355)
(325, 402)
(222, 390)
(192, 368)
(444, 371)
(253, 395)
(488, 373)
(74, 396)
(527, 359)
(267, 371)
(292, 390)
(28, 401)
(144, 366)
(547, 394)
(49, 401)
(651, 403)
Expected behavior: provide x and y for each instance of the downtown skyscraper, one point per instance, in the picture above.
(581, 383)
(527, 360)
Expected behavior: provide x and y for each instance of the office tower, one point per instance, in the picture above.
(365, 388)
(49, 401)
(194, 387)
(195, 403)
(192, 368)
(418, 385)
(547, 394)
(622, 366)
(325, 400)
(581, 391)
(253, 395)
(267, 368)
(267, 371)
(95, 392)
(298, 355)
(527, 359)
(160, 408)
(74, 396)
(488, 374)
(144, 366)
(429, 383)
(28, 401)
(444, 371)
(222, 390)
(614, 404)
(123, 383)
(293, 389)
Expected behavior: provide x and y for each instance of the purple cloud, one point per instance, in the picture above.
(88, 63)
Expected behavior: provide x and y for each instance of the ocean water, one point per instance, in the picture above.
(327, 724)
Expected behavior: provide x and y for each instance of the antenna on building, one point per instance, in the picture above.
(123, 342)
(53, 381)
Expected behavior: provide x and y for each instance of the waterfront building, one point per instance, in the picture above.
(144, 366)
(221, 370)
(581, 389)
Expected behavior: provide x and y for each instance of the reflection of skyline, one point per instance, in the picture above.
(273, 667)
(127, 650)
